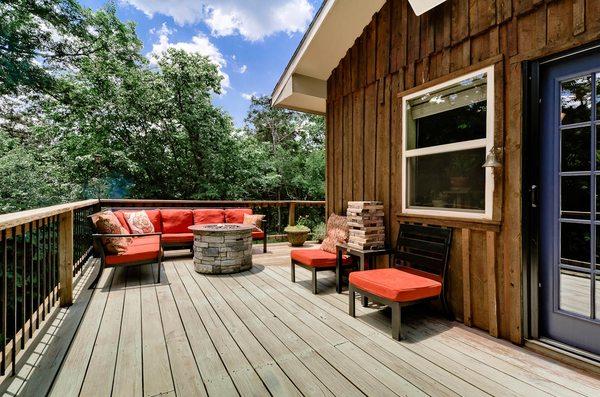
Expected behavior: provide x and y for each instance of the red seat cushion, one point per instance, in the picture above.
(258, 234)
(316, 258)
(177, 238)
(209, 215)
(176, 221)
(141, 249)
(236, 215)
(398, 284)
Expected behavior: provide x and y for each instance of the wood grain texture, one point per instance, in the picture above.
(453, 39)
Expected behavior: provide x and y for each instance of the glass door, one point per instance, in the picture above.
(569, 204)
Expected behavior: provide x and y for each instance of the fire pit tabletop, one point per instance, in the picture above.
(221, 227)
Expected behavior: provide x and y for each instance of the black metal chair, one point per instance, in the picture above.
(422, 248)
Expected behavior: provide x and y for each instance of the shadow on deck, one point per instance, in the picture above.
(256, 333)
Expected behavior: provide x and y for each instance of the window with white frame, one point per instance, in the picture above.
(447, 132)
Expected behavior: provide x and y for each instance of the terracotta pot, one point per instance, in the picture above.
(297, 239)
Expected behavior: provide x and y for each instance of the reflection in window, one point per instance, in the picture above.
(448, 180)
(574, 292)
(575, 197)
(576, 100)
(446, 131)
(575, 241)
(575, 149)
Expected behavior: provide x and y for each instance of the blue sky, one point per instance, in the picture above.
(250, 40)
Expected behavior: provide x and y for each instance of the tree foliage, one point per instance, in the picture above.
(84, 114)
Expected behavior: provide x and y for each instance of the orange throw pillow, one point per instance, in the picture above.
(139, 222)
(106, 222)
(337, 233)
(255, 220)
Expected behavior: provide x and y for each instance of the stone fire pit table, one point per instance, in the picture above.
(222, 248)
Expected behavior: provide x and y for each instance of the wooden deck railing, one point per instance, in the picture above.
(41, 250)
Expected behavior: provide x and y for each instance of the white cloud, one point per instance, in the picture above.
(243, 69)
(247, 96)
(200, 44)
(251, 19)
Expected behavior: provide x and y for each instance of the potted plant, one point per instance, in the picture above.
(297, 235)
(319, 232)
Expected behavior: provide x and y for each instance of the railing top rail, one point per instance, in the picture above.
(19, 218)
(216, 203)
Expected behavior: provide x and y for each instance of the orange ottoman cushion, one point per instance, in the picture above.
(209, 215)
(316, 258)
(399, 285)
(258, 234)
(141, 249)
(236, 215)
(176, 221)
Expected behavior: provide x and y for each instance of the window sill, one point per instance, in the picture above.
(452, 221)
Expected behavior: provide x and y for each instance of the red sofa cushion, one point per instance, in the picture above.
(141, 249)
(316, 258)
(258, 234)
(398, 284)
(121, 217)
(176, 221)
(209, 215)
(177, 238)
(236, 215)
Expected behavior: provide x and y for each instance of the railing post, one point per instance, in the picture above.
(292, 214)
(65, 258)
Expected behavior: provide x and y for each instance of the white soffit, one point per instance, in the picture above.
(422, 6)
(303, 85)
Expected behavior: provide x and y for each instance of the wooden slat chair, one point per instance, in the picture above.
(418, 273)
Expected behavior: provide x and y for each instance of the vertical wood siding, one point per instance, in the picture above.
(398, 51)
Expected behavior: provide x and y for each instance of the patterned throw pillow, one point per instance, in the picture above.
(106, 222)
(337, 233)
(139, 222)
(255, 220)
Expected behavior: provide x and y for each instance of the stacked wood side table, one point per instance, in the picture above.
(365, 221)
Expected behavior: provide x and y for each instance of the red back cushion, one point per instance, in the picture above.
(176, 221)
(156, 219)
(236, 215)
(209, 215)
(121, 217)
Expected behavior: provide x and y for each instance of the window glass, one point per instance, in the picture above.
(575, 241)
(575, 149)
(576, 100)
(575, 197)
(452, 180)
(575, 292)
(453, 114)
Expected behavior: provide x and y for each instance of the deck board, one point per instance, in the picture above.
(256, 333)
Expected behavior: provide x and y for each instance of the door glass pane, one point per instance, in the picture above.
(453, 180)
(575, 149)
(575, 292)
(597, 297)
(575, 100)
(575, 244)
(597, 95)
(575, 197)
(451, 114)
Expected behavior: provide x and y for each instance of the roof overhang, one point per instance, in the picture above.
(338, 23)
(303, 85)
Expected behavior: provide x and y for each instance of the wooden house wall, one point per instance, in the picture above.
(399, 51)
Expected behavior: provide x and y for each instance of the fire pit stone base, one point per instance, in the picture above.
(222, 248)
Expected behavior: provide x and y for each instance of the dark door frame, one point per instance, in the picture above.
(530, 162)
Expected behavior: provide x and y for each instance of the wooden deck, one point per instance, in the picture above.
(256, 333)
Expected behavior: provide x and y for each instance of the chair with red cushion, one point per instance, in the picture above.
(144, 249)
(419, 273)
(314, 260)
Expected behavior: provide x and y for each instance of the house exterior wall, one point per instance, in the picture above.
(399, 53)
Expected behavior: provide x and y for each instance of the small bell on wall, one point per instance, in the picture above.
(491, 160)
